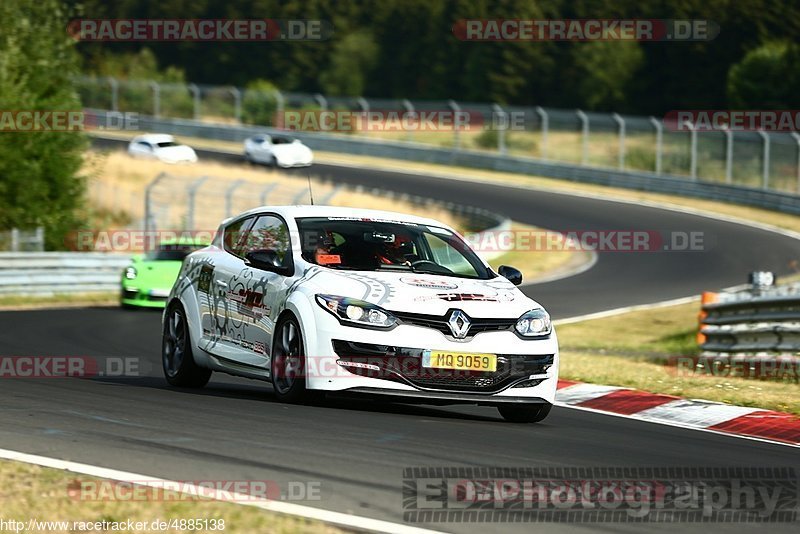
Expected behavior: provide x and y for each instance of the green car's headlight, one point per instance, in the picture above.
(356, 312)
(535, 323)
(130, 273)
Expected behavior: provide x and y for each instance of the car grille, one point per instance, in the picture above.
(439, 322)
(401, 364)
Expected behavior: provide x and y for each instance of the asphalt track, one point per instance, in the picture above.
(234, 429)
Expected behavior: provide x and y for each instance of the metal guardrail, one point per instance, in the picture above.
(49, 273)
(754, 332)
(410, 151)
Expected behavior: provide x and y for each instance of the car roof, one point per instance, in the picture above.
(338, 211)
(154, 138)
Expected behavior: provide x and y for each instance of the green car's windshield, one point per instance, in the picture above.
(379, 245)
(167, 252)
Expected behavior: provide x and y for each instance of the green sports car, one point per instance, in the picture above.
(147, 281)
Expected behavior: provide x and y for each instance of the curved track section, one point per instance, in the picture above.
(234, 429)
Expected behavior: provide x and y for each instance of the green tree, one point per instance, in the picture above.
(351, 62)
(768, 77)
(39, 183)
(604, 71)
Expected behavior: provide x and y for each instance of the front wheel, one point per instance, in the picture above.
(288, 362)
(524, 413)
(179, 366)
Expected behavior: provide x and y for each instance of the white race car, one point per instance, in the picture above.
(327, 299)
(162, 147)
(280, 150)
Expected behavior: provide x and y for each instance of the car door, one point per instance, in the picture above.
(264, 149)
(257, 295)
(222, 334)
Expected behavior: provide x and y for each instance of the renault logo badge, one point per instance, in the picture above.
(459, 324)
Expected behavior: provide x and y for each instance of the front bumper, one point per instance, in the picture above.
(145, 298)
(345, 358)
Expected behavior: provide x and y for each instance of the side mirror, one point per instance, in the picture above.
(513, 275)
(266, 260)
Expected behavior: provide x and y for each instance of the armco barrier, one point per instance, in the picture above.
(758, 326)
(638, 180)
(48, 273)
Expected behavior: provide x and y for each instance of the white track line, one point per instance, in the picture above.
(333, 518)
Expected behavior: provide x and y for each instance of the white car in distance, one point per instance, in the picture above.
(325, 299)
(277, 150)
(162, 147)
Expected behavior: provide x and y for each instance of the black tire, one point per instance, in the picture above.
(524, 413)
(177, 361)
(287, 365)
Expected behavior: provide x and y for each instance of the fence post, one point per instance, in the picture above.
(545, 120)
(621, 126)
(192, 190)
(501, 133)
(196, 100)
(39, 239)
(659, 142)
(765, 169)
(692, 150)
(796, 137)
(728, 155)
(148, 208)
(279, 104)
(456, 134)
(237, 104)
(114, 93)
(410, 110)
(229, 197)
(322, 101)
(584, 136)
(265, 192)
(156, 98)
(14, 240)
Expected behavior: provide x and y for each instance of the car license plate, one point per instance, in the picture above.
(463, 361)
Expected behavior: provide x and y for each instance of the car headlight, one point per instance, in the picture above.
(130, 273)
(356, 312)
(534, 323)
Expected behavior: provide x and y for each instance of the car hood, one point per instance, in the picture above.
(159, 274)
(176, 153)
(292, 150)
(424, 293)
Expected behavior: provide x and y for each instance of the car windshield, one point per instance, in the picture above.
(166, 144)
(174, 252)
(282, 140)
(384, 245)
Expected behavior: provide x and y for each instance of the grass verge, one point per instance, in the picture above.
(32, 492)
(14, 302)
(632, 350)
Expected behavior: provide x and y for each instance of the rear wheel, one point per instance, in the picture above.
(288, 362)
(179, 366)
(524, 413)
